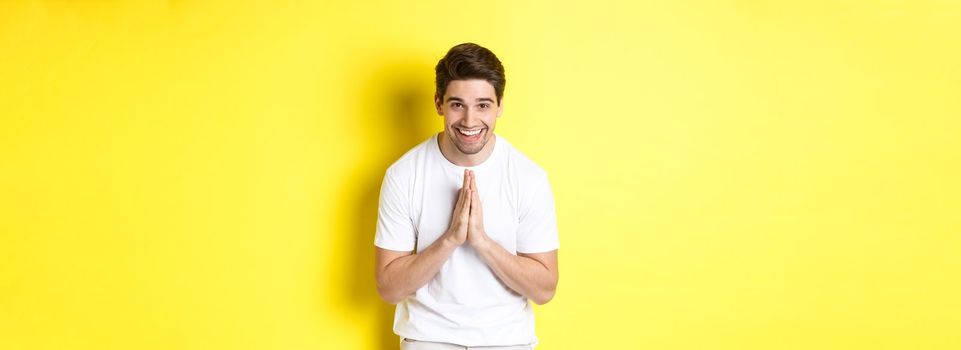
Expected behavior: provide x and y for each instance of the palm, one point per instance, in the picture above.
(475, 227)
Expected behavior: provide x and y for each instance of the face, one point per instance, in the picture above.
(470, 110)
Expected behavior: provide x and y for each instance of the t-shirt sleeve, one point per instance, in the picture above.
(537, 231)
(395, 229)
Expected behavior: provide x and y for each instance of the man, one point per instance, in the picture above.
(466, 229)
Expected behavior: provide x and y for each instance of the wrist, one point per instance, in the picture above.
(450, 239)
(481, 241)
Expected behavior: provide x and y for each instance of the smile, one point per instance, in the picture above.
(470, 132)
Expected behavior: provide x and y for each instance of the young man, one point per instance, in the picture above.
(466, 229)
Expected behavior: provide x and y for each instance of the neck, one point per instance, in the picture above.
(459, 158)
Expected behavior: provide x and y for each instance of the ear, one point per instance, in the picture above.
(438, 103)
(500, 107)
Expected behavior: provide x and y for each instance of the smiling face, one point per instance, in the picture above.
(470, 110)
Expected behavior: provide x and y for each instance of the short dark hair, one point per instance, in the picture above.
(470, 61)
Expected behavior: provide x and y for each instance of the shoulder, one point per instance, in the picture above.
(405, 167)
(521, 166)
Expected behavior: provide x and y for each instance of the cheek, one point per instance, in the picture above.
(449, 120)
(452, 116)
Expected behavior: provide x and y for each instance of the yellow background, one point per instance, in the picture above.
(728, 175)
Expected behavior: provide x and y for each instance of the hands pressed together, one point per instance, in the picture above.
(467, 223)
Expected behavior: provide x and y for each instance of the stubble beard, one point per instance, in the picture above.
(473, 148)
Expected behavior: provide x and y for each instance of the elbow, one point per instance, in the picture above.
(390, 295)
(544, 296)
(383, 290)
(547, 293)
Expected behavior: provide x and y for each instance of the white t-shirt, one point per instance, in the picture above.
(465, 303)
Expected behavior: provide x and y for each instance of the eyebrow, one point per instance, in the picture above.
(455, 98)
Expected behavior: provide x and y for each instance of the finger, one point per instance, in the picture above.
(472, 190)
(475, 200)
(465, 210)
(476, 204)
(466, 178)
(473, 184)
(473, 181)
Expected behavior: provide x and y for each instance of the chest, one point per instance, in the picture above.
(435, 198)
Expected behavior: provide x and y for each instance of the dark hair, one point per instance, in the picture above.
(470, 61)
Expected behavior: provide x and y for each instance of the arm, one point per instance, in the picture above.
(402, 273)
(532, 275)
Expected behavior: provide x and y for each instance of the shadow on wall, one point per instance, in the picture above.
(395, 110)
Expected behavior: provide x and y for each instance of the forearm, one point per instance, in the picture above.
(525, 275)
(403, 276)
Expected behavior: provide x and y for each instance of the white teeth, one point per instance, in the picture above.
(470, 133)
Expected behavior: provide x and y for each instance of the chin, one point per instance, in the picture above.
(468, 148)
(469, 151)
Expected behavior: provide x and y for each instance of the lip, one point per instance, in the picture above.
(466, 138)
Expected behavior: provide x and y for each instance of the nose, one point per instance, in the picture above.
(471, 117)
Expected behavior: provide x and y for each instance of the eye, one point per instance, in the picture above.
(456, 105)
(484, 105)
